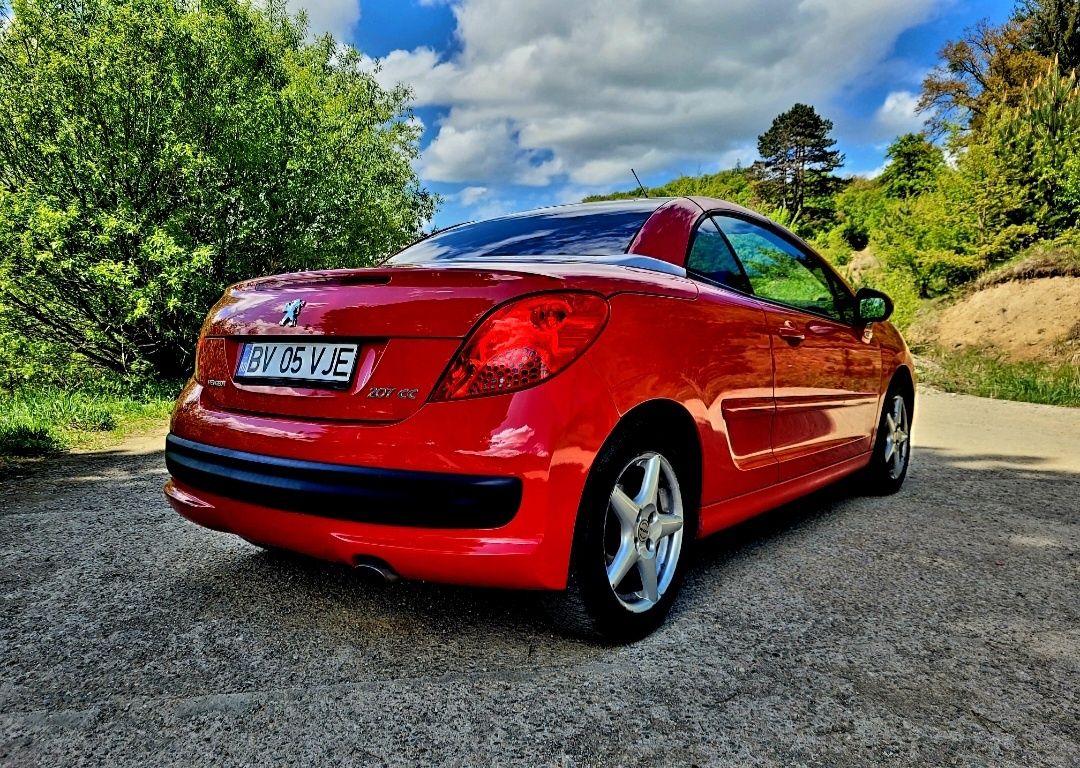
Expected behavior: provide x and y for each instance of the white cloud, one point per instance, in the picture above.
(872, 173)
(337, 17)
(472, 195)
(899, 113)
(574, 93)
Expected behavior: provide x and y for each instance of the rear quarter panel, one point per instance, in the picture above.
(715, 362)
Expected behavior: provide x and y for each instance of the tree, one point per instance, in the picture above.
(988, 65)
(1038, 142)
(914, 163)
(974, 217)
(1052, 28)
(154, 151)
(797, 162)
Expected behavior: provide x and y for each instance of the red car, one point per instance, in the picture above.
(564, 400)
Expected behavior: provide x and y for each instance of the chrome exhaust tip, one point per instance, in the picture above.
(372, 567)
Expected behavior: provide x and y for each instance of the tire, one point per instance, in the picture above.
(892, 450)
(637, 518)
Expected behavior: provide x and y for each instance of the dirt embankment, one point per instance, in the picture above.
(1020, 320)
(1024, 320)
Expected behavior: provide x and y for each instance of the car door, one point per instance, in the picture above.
(734, 372)
(826, 371)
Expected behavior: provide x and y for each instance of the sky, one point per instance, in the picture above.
(527, 103)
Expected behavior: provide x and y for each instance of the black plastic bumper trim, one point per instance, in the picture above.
(359, 494)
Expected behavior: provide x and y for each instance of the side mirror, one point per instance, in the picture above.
(873, 306)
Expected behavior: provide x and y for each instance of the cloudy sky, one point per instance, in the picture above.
(533, 102)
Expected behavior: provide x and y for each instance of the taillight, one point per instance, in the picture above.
(523, 343)
(210, 361)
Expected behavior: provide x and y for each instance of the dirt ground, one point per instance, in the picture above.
(937, 627)
(1022, 320)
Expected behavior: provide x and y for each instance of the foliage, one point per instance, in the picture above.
(1038, 141)
(913, 166)
(798, 158)
(860, 208)
(987, 66)
(733, 185)
(154, 151)
(1052, 27)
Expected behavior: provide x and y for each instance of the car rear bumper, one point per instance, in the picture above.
(480, 492)
(360, 494)
(471, 557)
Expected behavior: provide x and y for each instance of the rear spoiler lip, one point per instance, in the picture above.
(384, 274)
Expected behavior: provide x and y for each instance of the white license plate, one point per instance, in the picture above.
(289, 361)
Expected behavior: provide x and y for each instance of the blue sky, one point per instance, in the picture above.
(534, 102)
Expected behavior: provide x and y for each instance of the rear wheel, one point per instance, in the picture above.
(634, 526)
(892, 452)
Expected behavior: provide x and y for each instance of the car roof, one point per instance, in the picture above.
(632, 205)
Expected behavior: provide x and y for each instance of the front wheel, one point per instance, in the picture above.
(634, 526)
(892, 451)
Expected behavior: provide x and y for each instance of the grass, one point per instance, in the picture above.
(975, 373)
(43, 421)
(1059, 258)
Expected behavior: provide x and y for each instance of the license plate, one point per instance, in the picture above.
(288, 361)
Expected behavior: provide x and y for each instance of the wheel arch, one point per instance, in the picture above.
(670, 420)
(903, 379)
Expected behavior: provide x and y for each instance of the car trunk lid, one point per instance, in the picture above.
(404, 324)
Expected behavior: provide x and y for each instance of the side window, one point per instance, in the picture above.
(711, 257)
(780, 272)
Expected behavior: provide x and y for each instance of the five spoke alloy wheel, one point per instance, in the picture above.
(643, 532)
(635, 529)
(897, 437)
(888, 466)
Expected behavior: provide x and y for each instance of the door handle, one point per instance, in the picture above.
(789, 333)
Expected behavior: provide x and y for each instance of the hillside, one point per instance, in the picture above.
(1018, 320)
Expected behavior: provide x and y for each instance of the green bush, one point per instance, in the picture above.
(155, 151)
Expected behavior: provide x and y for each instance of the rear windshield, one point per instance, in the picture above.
(570, 232)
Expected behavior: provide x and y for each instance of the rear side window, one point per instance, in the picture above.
(711, 257)
(555, 232)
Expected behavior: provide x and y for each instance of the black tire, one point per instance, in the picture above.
(881, 478)
(590, 607)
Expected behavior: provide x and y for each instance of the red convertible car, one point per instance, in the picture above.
(563, 399)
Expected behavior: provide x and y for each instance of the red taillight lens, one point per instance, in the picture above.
(210, 361)
(523, 343)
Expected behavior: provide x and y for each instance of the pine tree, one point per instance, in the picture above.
(795, 173)
(1052, 28)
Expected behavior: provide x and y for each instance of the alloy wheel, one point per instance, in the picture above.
(643, 532)
(897, 437)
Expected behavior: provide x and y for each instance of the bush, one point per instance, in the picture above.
(154, 152)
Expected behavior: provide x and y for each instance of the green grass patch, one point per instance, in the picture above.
(974, 373)
(1052, 258)
(44, 421)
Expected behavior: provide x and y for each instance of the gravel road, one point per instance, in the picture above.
(938, 627)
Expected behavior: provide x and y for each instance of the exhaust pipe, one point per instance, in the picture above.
(372, 567)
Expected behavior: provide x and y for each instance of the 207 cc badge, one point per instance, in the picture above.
(292, 313)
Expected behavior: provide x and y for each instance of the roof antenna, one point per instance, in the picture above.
(640, 186)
